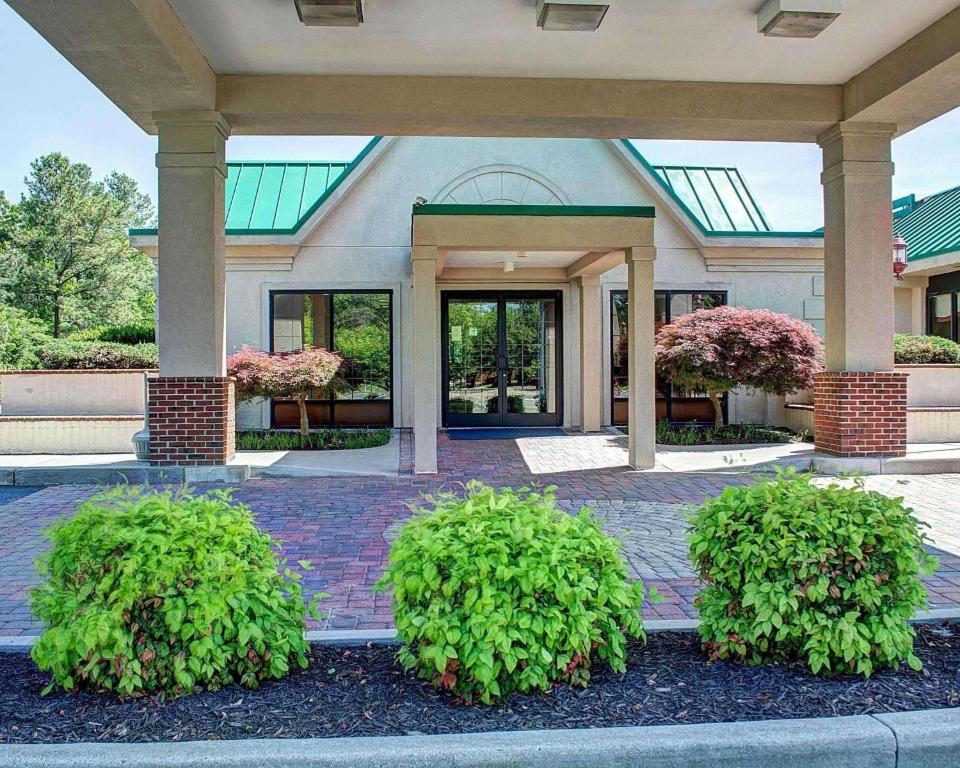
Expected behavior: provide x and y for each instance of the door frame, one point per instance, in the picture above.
(502, 418)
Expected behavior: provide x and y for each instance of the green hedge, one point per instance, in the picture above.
(162, 592)
(924, 350)
(96, 355)
(501, 591)
(827, 575)
(20, 338)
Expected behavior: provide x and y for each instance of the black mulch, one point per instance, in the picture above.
(361, 692)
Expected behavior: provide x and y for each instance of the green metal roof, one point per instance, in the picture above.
(277, 198)
(717, 199)
(931, 226)
(718, 196)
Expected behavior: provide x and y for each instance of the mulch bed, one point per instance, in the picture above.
(362, 692)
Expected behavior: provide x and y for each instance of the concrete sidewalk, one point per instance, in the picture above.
(113, 468)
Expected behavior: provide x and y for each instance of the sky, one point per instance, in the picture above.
(49, 106)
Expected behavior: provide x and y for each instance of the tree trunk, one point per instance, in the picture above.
(56, 318)
(304, 421)
(717, 409)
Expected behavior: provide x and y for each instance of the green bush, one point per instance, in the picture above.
(86, 334)
(827, 575)
(317, 440)
(20, 337)
(501, 591)
(140, 333)
(98, 355)
(156, 592)
(924, 350)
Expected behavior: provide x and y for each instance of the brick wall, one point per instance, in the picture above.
(191, 420)
(860, 414)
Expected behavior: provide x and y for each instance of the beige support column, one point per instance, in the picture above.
(591, 354)
(860, 402)
(425, 347)
(642, 406)
(192, 168)
(858, 290)
(918, 311)
(190, 406)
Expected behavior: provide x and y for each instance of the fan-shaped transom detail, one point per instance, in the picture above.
(501, 185)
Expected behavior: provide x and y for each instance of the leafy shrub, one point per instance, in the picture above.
(96, 355)
(20, 337)
(138, 333)
(827, 575)
(715, 350)
(924, 350)
(317, 440)
(87, 334)
(162, 593)
(500, 591)
(669, 433)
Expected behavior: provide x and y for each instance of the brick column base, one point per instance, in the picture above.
(191, 420)
(860, 414)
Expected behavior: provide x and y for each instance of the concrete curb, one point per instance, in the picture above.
(851, 742)
(17, 643)
(925, 739)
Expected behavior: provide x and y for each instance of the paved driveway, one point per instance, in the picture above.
(344, 526)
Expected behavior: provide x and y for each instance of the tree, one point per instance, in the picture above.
(64, 249)
(715, 350)
(286, 374)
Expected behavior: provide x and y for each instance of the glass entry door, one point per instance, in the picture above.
(501, 359)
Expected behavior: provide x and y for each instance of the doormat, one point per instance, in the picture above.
(504, 433)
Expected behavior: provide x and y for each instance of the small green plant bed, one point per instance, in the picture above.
(318, 440)
(732, 434)
(166, 593)
(500, 591)
(794, 571)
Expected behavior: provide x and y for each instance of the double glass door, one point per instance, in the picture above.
(501, 359)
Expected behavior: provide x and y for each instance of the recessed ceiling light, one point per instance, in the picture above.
(797, 18)
(569, 15)
(330, 13)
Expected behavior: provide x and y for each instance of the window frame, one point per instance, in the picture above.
(668, 397)
(332, 292)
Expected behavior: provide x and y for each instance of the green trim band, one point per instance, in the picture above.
(455, 209)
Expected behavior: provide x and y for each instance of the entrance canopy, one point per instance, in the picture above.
(510, 243)
(671, 69)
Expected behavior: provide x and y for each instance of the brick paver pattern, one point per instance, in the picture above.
(344, 525)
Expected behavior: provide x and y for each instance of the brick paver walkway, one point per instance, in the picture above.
(344, 525)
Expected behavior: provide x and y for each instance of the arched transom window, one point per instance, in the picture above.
(501, 185)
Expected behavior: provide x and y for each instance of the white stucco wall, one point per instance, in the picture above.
(364, 242)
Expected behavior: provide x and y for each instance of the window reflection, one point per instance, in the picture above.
(668, 306)
(357, 325)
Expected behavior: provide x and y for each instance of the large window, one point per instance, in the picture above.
(358, 325)
(672, 404)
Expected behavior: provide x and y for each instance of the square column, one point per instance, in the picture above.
(860, 402)
(642, 395)
(190, 405)
(591, 354)
(425, 346)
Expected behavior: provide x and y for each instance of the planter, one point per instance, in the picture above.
(932, 386)
(73, 393)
